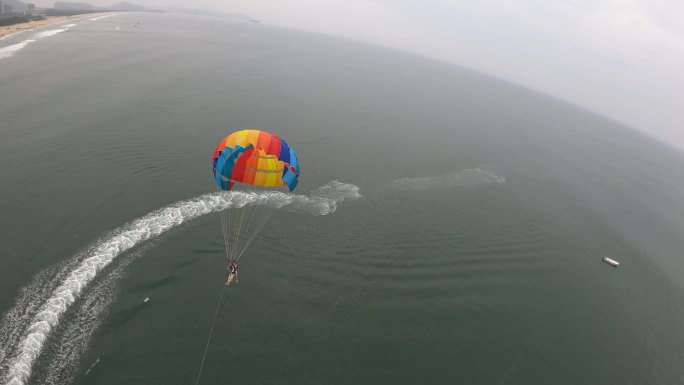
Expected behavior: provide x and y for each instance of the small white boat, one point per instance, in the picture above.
(611, 261)
(146, 299)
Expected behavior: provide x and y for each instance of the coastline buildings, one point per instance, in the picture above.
(9, 16)
(6, 9)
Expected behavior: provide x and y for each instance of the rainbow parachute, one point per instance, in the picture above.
(255, 158)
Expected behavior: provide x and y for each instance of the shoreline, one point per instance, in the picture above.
(9, 30)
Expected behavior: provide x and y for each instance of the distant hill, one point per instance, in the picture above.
(206, 12)
(195, 11)
(120, 6)
(79, 6)
(238, 16)
(126, 6)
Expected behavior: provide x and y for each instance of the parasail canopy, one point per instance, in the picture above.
(255, 158)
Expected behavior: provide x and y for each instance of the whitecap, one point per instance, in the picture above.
(464, 178)
(101, 17)
(48, 33)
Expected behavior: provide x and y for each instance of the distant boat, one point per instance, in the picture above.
(146, 299)
(611, 261)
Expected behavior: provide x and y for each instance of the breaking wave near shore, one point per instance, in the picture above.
(10, 50)
(26, 327)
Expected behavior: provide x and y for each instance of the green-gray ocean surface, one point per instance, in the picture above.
(473, 256)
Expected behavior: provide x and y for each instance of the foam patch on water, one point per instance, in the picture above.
(99, 255)
(325, 199)
(464, 178)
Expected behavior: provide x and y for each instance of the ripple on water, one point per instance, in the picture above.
(469, 255)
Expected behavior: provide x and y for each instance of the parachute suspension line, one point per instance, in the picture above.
(256, 231)
(225, 217)
(245, 228)
(238, 230)
(211, 332)
(229, 240)
(248, 229)
(232, 222)
(225, 226)
(232, 230)
(241, 225)
(252, 220)
(253, 214)
(261, 221)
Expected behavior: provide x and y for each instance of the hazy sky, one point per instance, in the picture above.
(621, 58)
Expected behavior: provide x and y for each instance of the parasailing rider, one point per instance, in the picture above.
(232, 272)
(251, 159)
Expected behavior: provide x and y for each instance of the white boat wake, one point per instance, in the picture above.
(37, 312)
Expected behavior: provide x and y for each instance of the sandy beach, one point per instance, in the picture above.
(15, 28)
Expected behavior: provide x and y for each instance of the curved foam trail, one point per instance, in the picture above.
(74, 336)
(28, 304)
(464, 178)
(321, 202)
